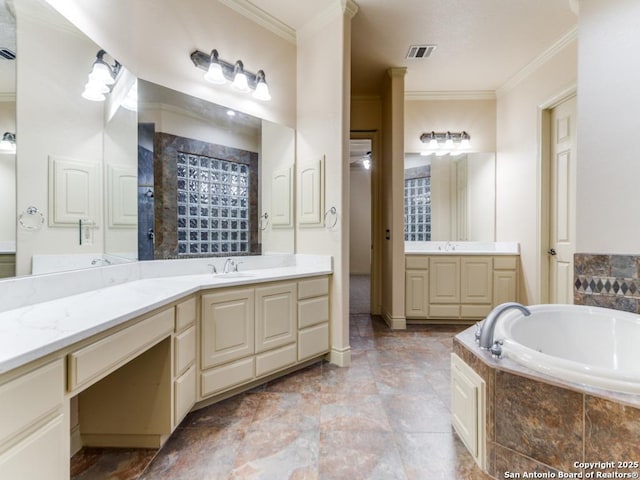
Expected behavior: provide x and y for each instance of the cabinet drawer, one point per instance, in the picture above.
(185, 314)
(313, 341)
(30, 398)
(97, 359)
(227, 376)
(474, 311)
(185, 350)
(275, 360)
(313, 311)
(505, 263)
(417, 262)
(313, 288)
(184, 391)
(444, 311)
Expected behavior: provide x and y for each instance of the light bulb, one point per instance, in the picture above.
(101, 72)
(366, 163)
(262, 91)
(240, 82)
(214, 74)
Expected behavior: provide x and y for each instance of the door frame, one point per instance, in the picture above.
(375, 303)
(544, 206)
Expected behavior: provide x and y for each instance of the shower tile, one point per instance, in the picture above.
(624, 266)
(539, 420)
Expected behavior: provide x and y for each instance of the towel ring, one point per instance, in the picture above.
(333, 212)
(264, 221)
(34, 224)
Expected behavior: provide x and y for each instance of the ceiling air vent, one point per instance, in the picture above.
(7, 54)
(420, 51)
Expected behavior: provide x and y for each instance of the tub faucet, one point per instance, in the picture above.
(485, 338)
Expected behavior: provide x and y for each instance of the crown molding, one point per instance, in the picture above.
(262, 18)
(536, 63)
(451, 95)
(349, 7)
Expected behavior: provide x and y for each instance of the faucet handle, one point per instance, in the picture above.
(478, 331)
(496, 349)
(213, 268)
(235, 266)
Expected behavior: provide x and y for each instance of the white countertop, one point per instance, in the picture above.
(7, 246)
(461, 248)
(33, 331)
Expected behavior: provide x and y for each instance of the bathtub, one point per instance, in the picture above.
(593, 346)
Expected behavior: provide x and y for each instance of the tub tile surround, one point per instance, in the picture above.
(540, 424)
(44, 313)
(607, 280)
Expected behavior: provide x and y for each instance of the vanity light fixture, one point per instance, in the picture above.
(442, 143)
(8, 143)
(220, 72)
(101, 78)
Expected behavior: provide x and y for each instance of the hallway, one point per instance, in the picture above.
(385, 417)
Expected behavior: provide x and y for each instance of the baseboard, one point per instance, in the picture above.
(395, 323)
(340, 357)
(123, 440)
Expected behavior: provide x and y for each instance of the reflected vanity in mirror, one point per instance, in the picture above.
(450, 198)
(205, 173)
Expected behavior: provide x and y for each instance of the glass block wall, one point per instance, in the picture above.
(213, 205)
(417, 209)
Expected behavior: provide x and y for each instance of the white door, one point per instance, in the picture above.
(562, 201)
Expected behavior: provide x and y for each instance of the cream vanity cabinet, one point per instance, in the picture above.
(34, 435)
(458, 287)
(249, 333)
(184, 359)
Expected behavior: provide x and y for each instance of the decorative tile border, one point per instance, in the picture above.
(610, 281)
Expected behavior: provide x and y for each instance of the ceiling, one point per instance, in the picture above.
(481, 44)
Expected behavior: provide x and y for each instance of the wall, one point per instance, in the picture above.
(392, 196)
(476, 117)
(7, 174)
(608, 167)
(518, 161)
(53, 119)
(136, 33)
(360, 221)
(323, 130)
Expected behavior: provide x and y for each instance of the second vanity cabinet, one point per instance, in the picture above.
(458, 287)
(248, 333)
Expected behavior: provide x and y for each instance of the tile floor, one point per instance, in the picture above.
(385, 417)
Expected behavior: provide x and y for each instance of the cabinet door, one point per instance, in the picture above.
(417, 293)
(444, 280)
(227, 326)
(476, 280)
(505, 286)
(40, 455)
(276, 316)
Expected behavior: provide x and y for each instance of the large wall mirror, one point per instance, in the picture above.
(450, 197)
(72, 152)
(205, 178)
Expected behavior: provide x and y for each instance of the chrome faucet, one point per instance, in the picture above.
(485, 334)
(227, 264)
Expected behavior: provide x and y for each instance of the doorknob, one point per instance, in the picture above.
(552, 251)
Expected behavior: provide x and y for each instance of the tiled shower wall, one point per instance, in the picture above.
(609, 281)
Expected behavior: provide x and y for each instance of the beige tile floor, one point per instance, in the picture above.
(385, 417)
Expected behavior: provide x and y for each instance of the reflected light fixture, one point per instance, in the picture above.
(220, 72)
(101, 78)
(442, 143)
(8, 143)
(366, 161)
